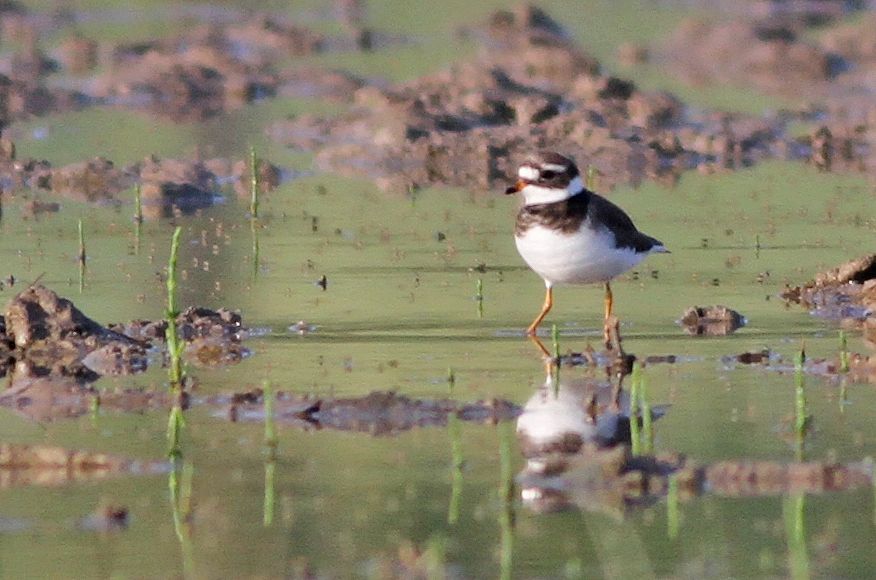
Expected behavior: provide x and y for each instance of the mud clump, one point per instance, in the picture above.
(42, 334)
(846, 293)
(50, 334)
(711, 321)
(212, 337)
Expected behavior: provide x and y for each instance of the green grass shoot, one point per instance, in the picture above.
(506, 497)
(268, 507)
(451, 380)
(270, 422)
(176, 422)
(81, 257)
(801, 419)
(479, 297)
(270, 442)
(592, 173)
(175, 345)
(454, 429)
(647, 424)
(844, 352)
(138, 218)
(256, 253)
(253, 184)
(635, 383)
(673, 517)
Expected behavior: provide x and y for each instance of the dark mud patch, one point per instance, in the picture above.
(379, 413)
(711, 321)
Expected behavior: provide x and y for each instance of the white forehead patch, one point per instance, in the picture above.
(528, 173)
(554, 167)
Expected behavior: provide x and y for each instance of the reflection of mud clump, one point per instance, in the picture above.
(94, 180)
(52, 466)
(530, 88)
(378, 413)
(711, 321)
(846, 293)
(173, 183)
(761, 478)
(168, 185)
(613, 480)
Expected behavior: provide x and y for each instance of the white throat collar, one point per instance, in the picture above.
(537, 195)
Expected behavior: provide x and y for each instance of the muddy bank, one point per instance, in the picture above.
(43, 334)
(827, 77)
(846, 293)
(208, 69)
(530, 87)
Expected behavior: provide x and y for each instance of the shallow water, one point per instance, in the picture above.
(398, 312)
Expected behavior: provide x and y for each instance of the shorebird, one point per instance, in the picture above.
(569, 235)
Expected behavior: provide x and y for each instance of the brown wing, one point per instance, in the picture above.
(615, 219)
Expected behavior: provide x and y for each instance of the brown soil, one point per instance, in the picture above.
(846, 293)
(711, 321)
(529, 88)
(42, 334)
(209, 69)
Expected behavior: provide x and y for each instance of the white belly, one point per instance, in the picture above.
(584, 257)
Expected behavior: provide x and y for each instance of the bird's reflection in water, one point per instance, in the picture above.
(575, 433)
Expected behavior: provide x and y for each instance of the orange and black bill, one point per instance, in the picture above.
(515, 188)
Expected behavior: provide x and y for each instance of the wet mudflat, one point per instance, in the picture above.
(379, 303)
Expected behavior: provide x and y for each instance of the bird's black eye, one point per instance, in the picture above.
(548, 174)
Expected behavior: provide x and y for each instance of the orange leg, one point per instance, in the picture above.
(609, 304)
(609, 300)
(546, 307)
